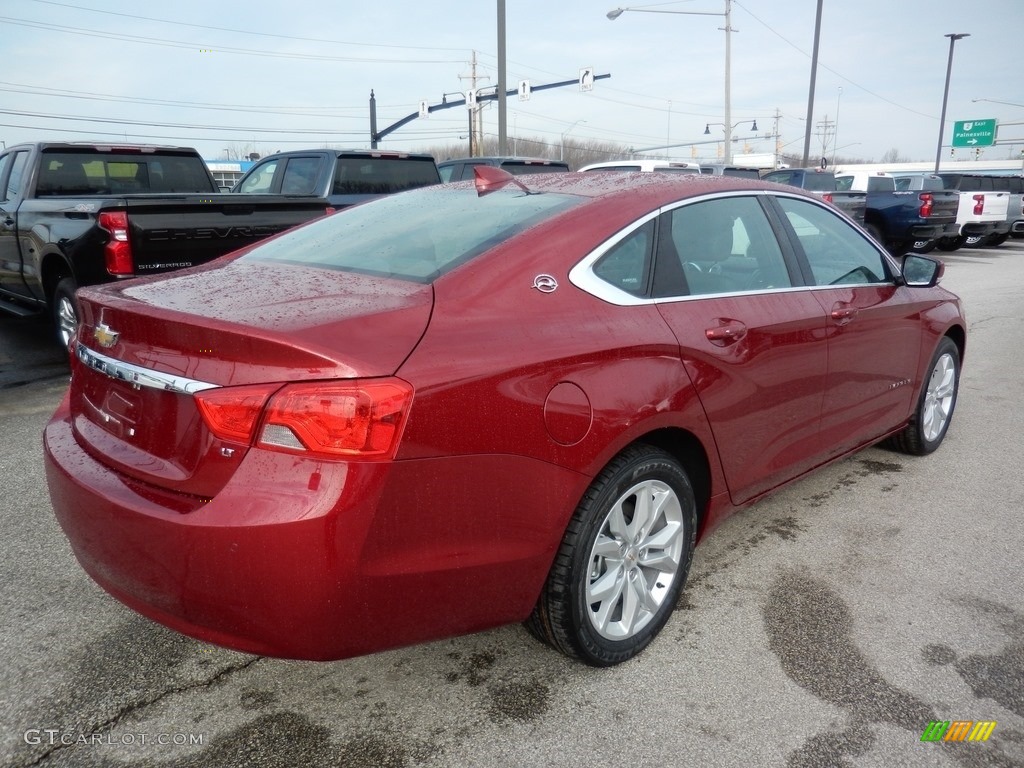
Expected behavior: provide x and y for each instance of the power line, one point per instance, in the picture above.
(245, 31)
(192, 46)
(121, 121)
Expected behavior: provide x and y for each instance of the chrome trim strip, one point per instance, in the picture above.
(583, 277)
(137, 375)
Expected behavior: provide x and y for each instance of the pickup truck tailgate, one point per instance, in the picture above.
(168, 234)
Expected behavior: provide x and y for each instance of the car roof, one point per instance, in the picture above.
(653, 188)
(503, 159)
(645, 166)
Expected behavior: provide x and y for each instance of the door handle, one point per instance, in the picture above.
(844, 313)
(727, 333)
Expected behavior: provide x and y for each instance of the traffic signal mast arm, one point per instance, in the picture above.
(445, 104)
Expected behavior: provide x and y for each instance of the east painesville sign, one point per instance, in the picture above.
(974, 133)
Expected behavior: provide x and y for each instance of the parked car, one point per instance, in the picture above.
(80, 214)
(644, 166)
(514, 399)
(912, 216)
(345, 177)
(464, 167)
(822, 183)
(721, 169)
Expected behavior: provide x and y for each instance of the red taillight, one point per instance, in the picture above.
(979, 205)
(827, 197)
(118, 251)
(231, 413)
(352, 419)
(927, 202)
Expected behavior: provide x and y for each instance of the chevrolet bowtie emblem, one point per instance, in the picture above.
(105, 335)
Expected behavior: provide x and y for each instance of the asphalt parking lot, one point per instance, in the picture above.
(825, 626)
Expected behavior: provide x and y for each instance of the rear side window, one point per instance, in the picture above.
(418, 236)
(626, 265)
(300, 176)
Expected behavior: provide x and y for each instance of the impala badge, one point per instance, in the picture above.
(545, 283)
(105, 335)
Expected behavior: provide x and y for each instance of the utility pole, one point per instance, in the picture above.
(778, 138)
(810, 91)
(476, 123)
(824, 131)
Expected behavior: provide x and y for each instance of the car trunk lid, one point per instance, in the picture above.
(145, 348)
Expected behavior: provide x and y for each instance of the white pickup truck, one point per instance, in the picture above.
(983, 214)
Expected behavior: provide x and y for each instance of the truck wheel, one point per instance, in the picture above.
(923, 246)
(950, 244)
(998, 239)
(974, 241)
(65, 310)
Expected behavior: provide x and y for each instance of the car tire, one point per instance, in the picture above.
(996, 240)
(975, 241)
(935, 403)
(64, 305)
(923, 246)
(623, 560)
(950, 244)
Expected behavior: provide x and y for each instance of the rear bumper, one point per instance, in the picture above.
(984, 228)
(934, 231)
(320, 560)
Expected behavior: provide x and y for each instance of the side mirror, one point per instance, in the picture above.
(921, 271)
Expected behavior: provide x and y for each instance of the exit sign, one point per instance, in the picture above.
(974, 133)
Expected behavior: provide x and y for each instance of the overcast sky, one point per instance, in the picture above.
(261, 76)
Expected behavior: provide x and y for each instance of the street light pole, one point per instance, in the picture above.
(614, 14)
(561, 150)
(945, 93)
(502, 103)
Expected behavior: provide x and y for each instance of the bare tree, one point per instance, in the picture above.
(893, 156)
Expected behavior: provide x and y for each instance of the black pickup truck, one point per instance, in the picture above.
(79, 214)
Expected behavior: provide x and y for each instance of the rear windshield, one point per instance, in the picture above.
(416, 236)
(927, 183)
(109, 173)
(519, 168)
(382, 175)
(820, 182)
(742, 173)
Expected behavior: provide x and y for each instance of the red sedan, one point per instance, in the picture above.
(476, 404)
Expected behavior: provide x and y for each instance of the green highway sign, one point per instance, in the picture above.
(974, 133)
